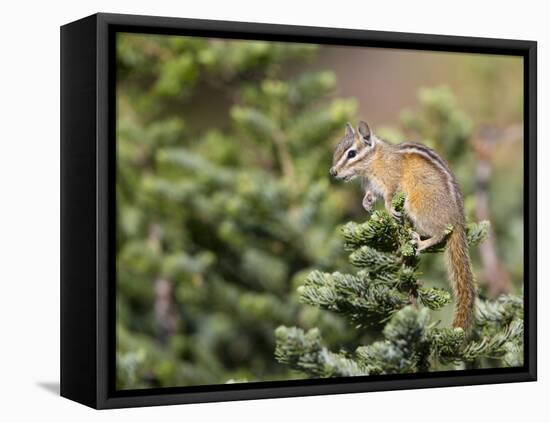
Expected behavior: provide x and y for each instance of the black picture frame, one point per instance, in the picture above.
(88, 209)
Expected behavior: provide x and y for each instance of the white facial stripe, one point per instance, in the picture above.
(448, 176)
(343, 158)
(344, 161)
(360, 155)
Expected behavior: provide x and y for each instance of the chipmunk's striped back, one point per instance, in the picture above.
(436, 160)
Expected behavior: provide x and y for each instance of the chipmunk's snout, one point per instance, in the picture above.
(333, 172)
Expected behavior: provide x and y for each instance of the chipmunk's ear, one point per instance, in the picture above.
(365, 132)
(350, 132)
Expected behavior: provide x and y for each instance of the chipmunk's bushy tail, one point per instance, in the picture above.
(462, 278)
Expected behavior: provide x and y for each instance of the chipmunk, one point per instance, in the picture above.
(432, 199)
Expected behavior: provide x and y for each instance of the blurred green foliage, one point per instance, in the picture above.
(224, 204)
(224, 218)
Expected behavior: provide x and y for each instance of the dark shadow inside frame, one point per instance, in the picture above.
(88, 209)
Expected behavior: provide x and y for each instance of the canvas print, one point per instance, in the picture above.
(289, 211)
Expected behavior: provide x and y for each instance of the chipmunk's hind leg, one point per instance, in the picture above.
(424, 244)
(429, 217)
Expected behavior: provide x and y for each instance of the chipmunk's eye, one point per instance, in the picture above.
(351, 154)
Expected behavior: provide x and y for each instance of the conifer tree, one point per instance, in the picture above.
(386, 294)
(217, 221)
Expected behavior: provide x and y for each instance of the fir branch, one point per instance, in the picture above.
(434, 298)
(446, 343)
(380, 232)
(476, 233)
(373, 260)
(360, 298)
(306, 353)
(405, 348)
(496, 346)
(500, 312)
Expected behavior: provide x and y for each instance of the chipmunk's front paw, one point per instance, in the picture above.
(395, 214)
(367, 204)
